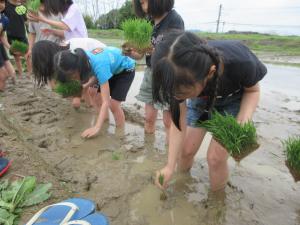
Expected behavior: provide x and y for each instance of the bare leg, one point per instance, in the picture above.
(19, 65)
(3, 77)
(150, 118)
(217, 157)
(115, 107)
(192, 142)
(10, 70)
(29, 66)
(167, 122)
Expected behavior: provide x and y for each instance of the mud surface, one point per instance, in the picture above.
(41, 132)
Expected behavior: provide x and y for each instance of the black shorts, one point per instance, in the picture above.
(119, 85)
(10, 39)
(3, 55)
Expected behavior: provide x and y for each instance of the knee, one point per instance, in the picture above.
(115, 106)
(190, 149)
(150, 118)
(188, 152)
(215, 159)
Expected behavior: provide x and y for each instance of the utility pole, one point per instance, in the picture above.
(219, 17)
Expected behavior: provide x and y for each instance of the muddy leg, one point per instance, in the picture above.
(150, 118)
(217, 157)
(115, 107)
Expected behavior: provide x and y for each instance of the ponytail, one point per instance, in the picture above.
(212, 85)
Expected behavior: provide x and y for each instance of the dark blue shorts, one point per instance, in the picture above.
(195, 108)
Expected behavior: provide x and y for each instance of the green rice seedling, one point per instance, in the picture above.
(115, 156)
(163, 194)
(33, 5)
(239, 139)
(292, 153)
(137, 33)
(18, 47)
(70, 88)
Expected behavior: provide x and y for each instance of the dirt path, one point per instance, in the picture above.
(41, 133)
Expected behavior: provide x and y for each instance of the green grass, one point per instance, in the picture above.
(282, 45)
(70, 88)
(137, 32)
(33, 5)
(18, 46)
(236, 138)
(285, 45)
(292, 152)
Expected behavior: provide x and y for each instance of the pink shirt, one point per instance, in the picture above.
(74, 20)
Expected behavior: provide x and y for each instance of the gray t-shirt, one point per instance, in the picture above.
(36, 28)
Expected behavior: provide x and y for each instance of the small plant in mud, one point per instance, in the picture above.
(16, 195)
(18, 47)
(163, 195)
(33, 5)
(115, 156)
(137, 33)
(238, 139)
(70, 88)
(292, 152)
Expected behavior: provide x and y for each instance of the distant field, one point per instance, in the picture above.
(283, 45)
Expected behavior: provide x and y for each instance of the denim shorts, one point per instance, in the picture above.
(196, 106)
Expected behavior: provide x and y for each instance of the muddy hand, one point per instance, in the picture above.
(163, 177)
(91, 132)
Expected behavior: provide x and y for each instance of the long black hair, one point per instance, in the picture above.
(68, 61)
(57, 6)
(156, 8)
(42, 60)
(182, 59)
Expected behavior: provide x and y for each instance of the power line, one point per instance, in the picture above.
(263, 25)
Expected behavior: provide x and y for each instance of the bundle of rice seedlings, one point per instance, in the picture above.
(239, 139)
(292, 152)
(70, 88)
(137, 33)
(33, 5)
(18, 47)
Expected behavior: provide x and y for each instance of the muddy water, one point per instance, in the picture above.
(116, 168)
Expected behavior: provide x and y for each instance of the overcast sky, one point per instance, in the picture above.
(271, 16)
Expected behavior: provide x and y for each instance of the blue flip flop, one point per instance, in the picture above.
(4, 165)
(60, 213)
(93, 219)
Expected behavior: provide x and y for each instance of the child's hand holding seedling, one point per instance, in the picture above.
(163, 177)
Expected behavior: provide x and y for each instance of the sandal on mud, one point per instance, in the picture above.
(94, 219)
(63, 212)
(4, 165)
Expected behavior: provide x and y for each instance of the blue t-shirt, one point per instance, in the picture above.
(108, 62)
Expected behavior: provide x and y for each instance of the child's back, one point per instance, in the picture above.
(16, 27)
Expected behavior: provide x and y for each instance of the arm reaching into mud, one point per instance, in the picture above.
(105, 93)
(175, 148)
(249, 103)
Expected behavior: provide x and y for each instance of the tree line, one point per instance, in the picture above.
(110, 20)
